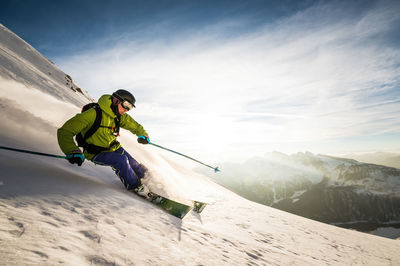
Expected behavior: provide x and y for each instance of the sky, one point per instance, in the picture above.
(228, 80)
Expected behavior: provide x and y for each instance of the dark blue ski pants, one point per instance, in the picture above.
(124, 165)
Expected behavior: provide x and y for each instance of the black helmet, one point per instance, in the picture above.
(123, 95)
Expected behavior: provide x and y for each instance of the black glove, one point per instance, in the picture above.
(143, 140)
(77, 158)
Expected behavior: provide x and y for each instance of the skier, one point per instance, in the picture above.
(101, 123)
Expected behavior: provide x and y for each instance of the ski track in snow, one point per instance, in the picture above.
(55, 213)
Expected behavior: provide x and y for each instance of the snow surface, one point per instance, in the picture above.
(56, 213)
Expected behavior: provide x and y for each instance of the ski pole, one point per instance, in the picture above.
(33, 152)
(214, 168)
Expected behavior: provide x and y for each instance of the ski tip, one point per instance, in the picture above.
(199, 206)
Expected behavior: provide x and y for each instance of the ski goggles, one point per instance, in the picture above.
(127, 105)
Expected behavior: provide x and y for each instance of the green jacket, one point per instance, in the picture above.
(103, 136)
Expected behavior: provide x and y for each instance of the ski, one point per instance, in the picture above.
(172, 207)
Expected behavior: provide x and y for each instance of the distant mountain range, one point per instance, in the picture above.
(320, 187)
(381, 158)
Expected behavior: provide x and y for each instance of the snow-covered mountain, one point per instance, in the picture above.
(22, 63)
(320, 187)
(55, 213)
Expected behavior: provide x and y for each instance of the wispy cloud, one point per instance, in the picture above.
(321, 74)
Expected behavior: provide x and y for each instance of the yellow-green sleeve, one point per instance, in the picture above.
(130, 124)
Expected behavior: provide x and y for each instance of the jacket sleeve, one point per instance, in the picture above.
(130, 124)
(72, 127)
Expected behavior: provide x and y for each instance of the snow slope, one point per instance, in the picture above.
(56, 213)
(21, 62)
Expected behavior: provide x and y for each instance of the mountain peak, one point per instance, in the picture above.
(24, 64)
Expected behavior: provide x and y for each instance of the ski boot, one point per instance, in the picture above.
(143, 191)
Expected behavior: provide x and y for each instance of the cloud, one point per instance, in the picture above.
(323, 73)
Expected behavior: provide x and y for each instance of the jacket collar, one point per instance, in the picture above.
(105, 105)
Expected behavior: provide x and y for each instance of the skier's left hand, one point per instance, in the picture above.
(143, 139)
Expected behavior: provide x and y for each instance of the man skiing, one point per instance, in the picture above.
(96, 130)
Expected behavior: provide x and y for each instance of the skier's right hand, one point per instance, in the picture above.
(76, 157)
(143, 140)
